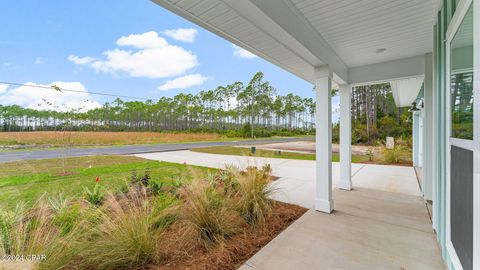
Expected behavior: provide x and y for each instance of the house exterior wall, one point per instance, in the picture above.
(439, 155)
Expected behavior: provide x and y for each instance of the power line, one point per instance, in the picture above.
(57, 88)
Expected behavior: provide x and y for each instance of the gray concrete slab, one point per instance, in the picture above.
(344, 241)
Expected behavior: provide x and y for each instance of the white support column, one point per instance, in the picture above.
(323, 122)
(345, 138)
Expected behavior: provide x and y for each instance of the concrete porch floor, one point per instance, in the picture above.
(381, 224)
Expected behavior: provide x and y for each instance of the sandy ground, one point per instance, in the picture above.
(309, 147)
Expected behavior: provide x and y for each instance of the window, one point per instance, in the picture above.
(461, 79)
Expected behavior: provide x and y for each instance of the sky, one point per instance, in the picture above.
(121, 47)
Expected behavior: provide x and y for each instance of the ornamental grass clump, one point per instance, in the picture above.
(393, 155)
(127, 236)
(33, 232)
(254, 193)
(206, 214)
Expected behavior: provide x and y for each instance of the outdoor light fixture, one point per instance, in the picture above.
(414, 107)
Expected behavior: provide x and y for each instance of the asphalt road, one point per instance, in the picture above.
(128, 149)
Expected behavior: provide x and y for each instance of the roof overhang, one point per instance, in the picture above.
(359, 41)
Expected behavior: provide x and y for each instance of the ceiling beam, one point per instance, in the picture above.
(388, 71)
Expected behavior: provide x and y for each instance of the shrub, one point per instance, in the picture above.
(143, 180)
(206, 215)
(155, 188)
(94, 196)
(126, 238)
(370, 153)
(393, 155)
(228, 179)
(253, 201)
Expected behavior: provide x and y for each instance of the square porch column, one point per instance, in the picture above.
(345, 138)
(323, 126)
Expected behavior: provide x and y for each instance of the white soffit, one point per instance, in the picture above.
(405, 91)
(298, 35)
(358, 28)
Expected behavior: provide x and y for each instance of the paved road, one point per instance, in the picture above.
(128, 149)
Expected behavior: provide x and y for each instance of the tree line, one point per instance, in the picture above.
(235, 110)
(229, 107)
(375, 115)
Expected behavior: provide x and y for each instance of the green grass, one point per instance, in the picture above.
(28, 180)
(242, 151)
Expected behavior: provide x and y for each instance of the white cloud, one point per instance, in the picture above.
(242, 53)
(182, 34)
(143, 41)
(183, 82)
(154, 58)
(3, 88)
(80, 60)
(50, 99)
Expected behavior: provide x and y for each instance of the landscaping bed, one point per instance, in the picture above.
(238, 249)
(210, 219)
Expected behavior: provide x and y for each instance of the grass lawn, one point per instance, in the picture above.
(241, 151)
(28, 180)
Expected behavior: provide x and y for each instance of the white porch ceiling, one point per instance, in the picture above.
(299, 35)
(358, 28)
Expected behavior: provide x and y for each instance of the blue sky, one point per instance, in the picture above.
(119, 47)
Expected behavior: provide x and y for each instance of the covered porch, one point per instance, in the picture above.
(382, 224)
(333, 45)
(342, 44)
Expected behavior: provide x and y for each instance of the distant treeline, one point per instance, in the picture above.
(375, 116)
(230, 109)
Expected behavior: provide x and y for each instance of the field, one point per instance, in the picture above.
(79, 138)
(26, 181)
(404, 156)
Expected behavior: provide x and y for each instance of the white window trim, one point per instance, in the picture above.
(455, 23)
(476, 135)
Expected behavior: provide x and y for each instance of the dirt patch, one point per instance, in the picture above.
(239, 248)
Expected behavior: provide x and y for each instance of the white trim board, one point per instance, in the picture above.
(453, 27)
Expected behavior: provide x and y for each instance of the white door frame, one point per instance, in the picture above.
(472, 145)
